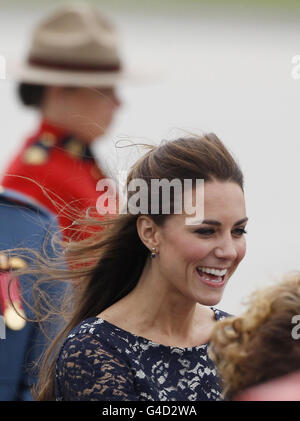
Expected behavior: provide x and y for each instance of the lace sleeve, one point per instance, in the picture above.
(85, 371)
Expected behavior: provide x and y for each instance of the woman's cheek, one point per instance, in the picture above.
(200, 251)
(242, 249)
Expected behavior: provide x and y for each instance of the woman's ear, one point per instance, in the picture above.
(148, 231)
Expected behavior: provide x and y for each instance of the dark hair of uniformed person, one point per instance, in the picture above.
(107, 265)
(31, 95)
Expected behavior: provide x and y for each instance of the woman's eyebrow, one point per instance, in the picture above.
(241, 221)
(212, 222)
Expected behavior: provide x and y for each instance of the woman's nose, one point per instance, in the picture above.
(226, 249)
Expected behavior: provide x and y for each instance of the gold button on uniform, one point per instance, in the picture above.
(14, 315)
(12, 319)
(48, 139)
(16, 263)
(4, 265)
(75, 148)
(35, 155)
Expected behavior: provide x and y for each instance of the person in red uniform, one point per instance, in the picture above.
(70, 76)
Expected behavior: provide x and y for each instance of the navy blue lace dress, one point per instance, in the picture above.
(101, 362)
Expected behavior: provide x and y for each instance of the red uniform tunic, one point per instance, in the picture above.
(64, 171)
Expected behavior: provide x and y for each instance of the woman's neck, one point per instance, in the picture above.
(160, 313)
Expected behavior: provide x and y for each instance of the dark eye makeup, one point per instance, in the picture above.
(210, 231)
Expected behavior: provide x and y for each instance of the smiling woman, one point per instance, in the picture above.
(193, 265)
(143, 310)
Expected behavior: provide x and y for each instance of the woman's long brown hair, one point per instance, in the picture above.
(107, 265)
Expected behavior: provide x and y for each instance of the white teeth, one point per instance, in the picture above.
(214, 280)
(213, 271)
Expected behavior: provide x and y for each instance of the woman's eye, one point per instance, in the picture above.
(205, 231)
(240, 231)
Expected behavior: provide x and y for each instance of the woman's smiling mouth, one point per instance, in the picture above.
(211, 276)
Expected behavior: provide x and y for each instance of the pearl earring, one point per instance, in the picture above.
(153, 253)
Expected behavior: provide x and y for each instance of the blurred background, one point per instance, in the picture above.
(224, 67)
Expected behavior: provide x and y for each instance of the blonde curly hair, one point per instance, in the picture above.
(258, 345)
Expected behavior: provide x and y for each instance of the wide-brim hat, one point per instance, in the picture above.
(75, 46)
